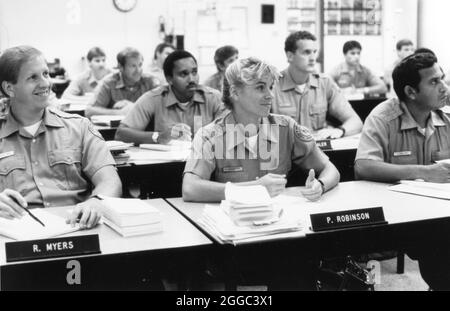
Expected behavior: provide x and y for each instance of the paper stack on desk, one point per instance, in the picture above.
(427, 189)
(118, 150)
(249, 205)
(27, 228)
(131, 217)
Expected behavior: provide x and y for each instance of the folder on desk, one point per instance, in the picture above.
(107, 120)
(427, 189)
(27, 228)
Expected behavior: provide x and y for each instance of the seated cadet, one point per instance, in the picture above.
(162, 50)
(47, 157)
(88, 81)
(352, 77)
(309, 97)
(176, 110)
(250, 146)
(223, 57)
(116, 93)
(404, 48)
(403, 138)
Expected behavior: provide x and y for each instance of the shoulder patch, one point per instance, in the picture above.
(94, 131)
(302, 133)
(279, 119)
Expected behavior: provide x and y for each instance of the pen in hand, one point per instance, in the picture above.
(27, 211)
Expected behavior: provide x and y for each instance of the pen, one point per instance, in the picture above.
(28, 211)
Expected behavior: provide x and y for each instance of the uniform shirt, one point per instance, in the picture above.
(215, 81)
(391, 135)
(84, 83)
(53, 168)
(220, 152)
(162, 109)
(112, 89)
(157, 72)
(360, 78)
(310, 107)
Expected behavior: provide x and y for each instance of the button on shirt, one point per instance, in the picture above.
(359, 78)
(221, 151)
(53, 168)
(391, 135)
(85, 83)
(311, 106)
(162, 109)
(112, 89)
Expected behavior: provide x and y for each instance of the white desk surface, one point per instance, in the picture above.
(398, 207)
(177, 233)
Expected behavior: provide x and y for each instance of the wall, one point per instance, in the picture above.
(52, 26)
(434, 22)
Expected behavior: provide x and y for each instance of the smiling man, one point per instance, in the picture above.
(47, 157)
(308, 97)
(173, 111)
(117, 92)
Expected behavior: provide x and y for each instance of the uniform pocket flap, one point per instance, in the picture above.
(9, 164)
(64, 157)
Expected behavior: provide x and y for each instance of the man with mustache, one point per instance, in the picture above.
(309, 97)
(117, 92)
(403, 139)
(172, 111)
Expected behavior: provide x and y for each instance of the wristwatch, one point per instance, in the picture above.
(155, 137)
(323, 185)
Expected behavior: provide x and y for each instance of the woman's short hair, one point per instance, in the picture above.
(247, 71)
(11, 60)
(223, 53)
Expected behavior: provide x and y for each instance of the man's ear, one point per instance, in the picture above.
(8, 88)
(289, 56)
(410, 92)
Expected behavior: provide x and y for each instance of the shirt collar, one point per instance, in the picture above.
(120, 84)
(171, 99)
(11, 125)
(91, 79)
(265, 132)
(346, 69)
(408, 122)
(287, 83)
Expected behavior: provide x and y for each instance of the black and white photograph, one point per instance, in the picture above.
(224, 149)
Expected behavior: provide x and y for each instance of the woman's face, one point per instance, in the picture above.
(33, 85)
(255, 100)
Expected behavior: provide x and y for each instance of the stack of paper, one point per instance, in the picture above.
(131, 217)
(248, 205)
(118, 150)
(427, 189)
(27, 228)
(219, 225)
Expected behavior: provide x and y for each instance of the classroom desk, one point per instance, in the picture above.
(125, 263)
(411, 220)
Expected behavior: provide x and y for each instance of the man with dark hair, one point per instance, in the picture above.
(309, 97)
(117, 92)
(172, 111)
(404, 47)
(223, 57)
(353, 77)
(404, 138)
(88, 81)
(162, 50)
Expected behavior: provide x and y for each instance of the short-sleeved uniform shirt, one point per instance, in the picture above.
(310, 107)
(361, 77)
(391, 135)
(221, 152)
(215, 81)
(55, 167)
(112, 89)
(157, 72)
(84, 83)
(161, 108)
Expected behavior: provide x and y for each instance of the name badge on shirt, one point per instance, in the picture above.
(233, 169)
(6, 154)
(402, 153)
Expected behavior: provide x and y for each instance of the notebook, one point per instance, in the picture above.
(27, 228)
(134, 230)
(130, 212)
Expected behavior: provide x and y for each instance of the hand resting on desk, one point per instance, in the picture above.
(313, 188)
(10, 201)
(89, 213)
